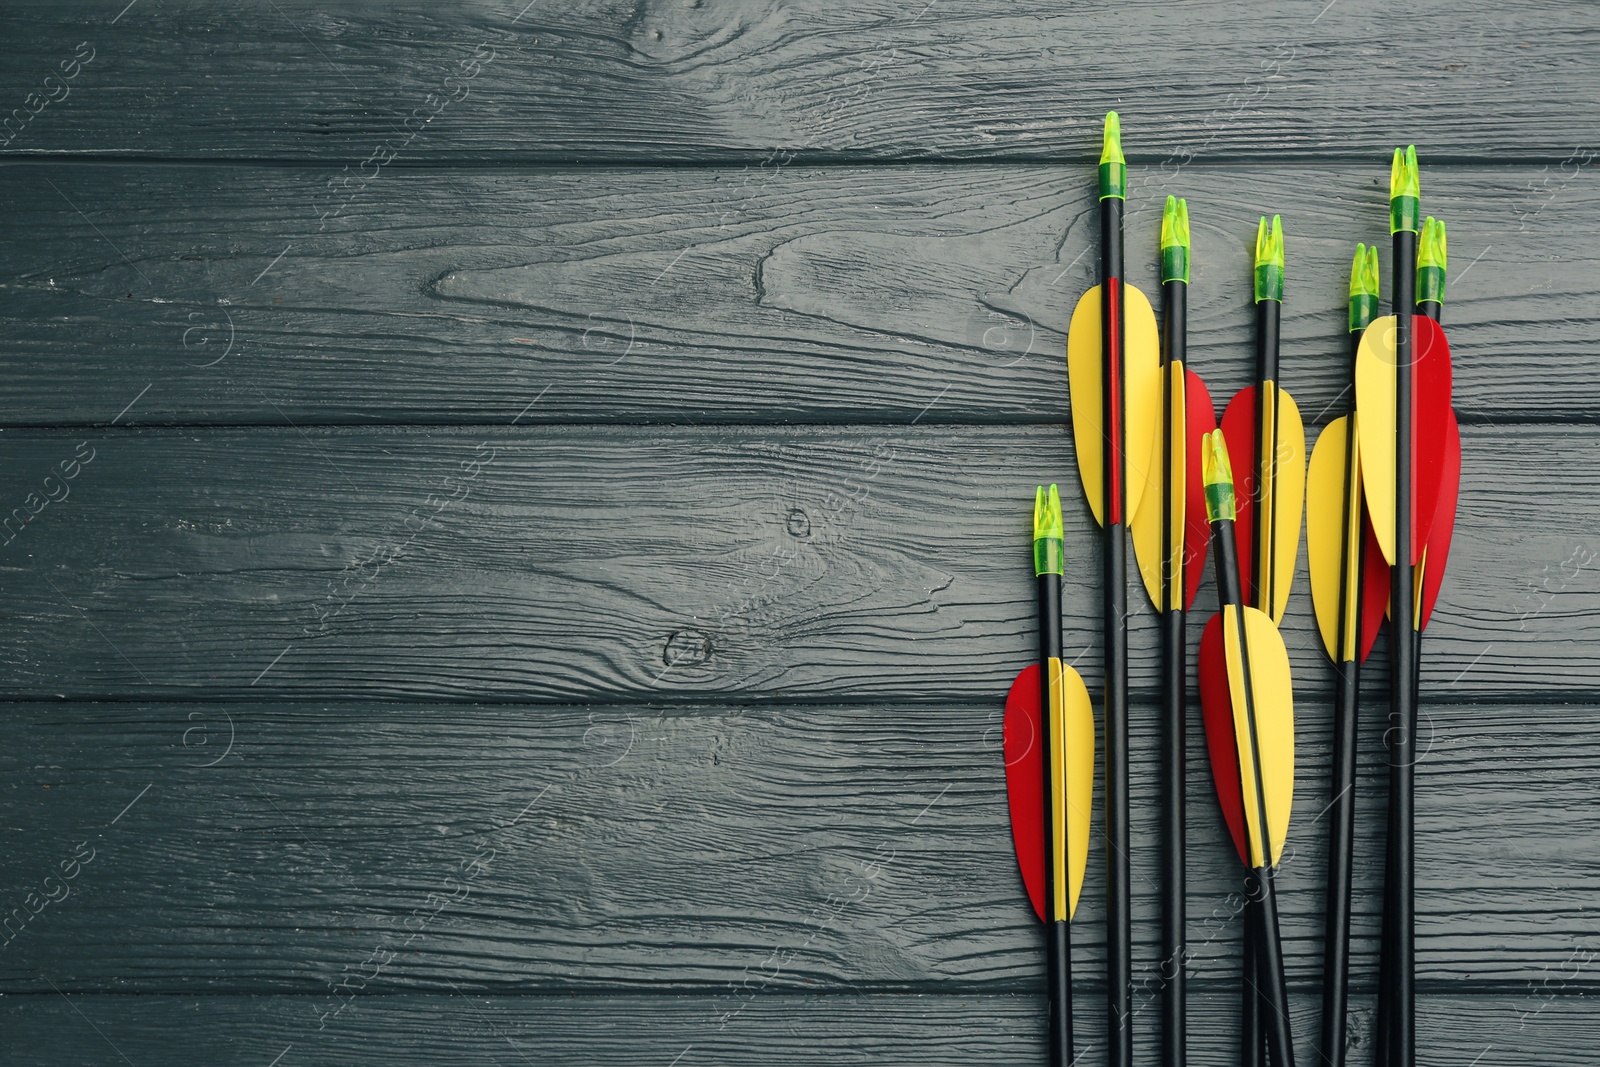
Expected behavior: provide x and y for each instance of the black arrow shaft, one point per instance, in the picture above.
(1400, 996)
(1119, 903)
(1342, 808)
(1058, 930)
(1174, 711)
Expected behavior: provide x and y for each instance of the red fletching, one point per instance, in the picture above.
(1200, 418)
(1239, 430)
(1444, 519)
(1374, 588)
(1024, 750)
(1216, 708)
(1431, 416)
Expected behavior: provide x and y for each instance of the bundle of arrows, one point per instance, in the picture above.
(1379, 502)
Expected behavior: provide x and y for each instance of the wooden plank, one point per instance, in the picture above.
(669, 295)
(292, 848)
(665, 81)
(469, 1031)
(642, 564)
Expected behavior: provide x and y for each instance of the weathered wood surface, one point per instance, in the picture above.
(663, 80)
(840, 295)
(45, 1030)
(641, 564)
(256, 848)
(672, 733)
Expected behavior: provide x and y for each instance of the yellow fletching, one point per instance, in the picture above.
(1071, 784)
(1416, 590)
(1333, 529)
(1375, 388)
(1279, 540)
(1141, 405)
(1272, 694)
(1146, 525)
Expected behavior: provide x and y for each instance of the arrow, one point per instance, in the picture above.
(1247, 702)
(1264, 432)
(1113, 375)
(1169, 541)
(1396, 986)
(1050, 813)
(1349, 589)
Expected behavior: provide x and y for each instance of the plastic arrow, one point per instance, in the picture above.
(1114, 377)
(1247, 703)
(1049, 747)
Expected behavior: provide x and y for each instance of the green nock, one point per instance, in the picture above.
(1218, 475)
(1431, 258)
(1175, 241)
(1363, 288)
(1113, 167)
(1049, 545)
(1269, 260)
(1405, 191)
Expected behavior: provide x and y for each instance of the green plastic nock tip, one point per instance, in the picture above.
(1175, 241)
(1431, 258)
(1269, 260)
(1363, 288)
(1113, 167)
(1049, 545)
(1218, 476)
(1405, 191)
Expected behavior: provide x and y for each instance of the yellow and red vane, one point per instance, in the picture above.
(1431, 261)
(1443, 451)
(1131, 391)
(1247, 703)
(1054, 730)
(1376, 397)
(1173, 501)
(1268, 443)
(1349, 587)
(1230, 707)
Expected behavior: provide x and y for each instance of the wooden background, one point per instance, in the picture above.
(527, 515)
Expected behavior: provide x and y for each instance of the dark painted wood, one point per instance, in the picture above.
(469, 1031)
(711, 296)
(641, 564)
(664, 80)
(712, 707)
(254, 848)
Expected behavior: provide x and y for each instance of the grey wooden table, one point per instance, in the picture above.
(515, 525)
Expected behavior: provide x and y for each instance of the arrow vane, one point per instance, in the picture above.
(1268, 442)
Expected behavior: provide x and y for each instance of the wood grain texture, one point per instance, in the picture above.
(646, 564)
(257, 848)
(664, 80)
(660, 726)
(626, 1031)
(843, 295)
